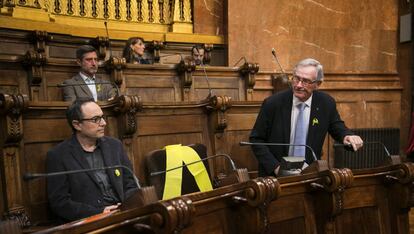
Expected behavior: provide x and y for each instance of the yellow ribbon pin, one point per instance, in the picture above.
(117, 172)
(315, 121)
(98, 88)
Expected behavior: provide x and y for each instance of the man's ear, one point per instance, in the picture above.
(79, 62)
(318, 83)
(75, 124)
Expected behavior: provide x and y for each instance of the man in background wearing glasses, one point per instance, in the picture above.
(76, 196)
(300, 115)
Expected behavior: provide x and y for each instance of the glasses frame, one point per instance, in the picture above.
(95, 119)
(306, 82)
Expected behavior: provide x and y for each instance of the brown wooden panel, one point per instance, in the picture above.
(369, 221)
(160, 125)
(53, 130)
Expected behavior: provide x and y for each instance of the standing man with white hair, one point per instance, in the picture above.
(300, 115)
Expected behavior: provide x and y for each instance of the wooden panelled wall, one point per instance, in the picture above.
(161, 104)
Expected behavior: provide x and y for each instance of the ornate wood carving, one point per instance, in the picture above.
(405, 194)
(261, 193)
(127, 106)
(218, 106)
(185, 70)
(248, 71)
(11, 108)
(207, 53)
(34, 62)
(39, 39)
(174, 215)
(101, 43)
(155, 47)
(115, 66)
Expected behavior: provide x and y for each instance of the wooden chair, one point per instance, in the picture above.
(156, 161)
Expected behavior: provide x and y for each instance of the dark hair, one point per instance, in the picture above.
(74, 111)
(83, 50)
(197, 47)
(128, 54)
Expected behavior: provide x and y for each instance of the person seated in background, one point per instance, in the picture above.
(134, 51)
(85, 83)
(197, 54)
(79, 195)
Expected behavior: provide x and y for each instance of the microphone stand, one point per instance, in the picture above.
(238, 175)
(31, 176)
(233, 166)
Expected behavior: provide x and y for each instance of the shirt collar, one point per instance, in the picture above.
(296, 101)
(86, 78)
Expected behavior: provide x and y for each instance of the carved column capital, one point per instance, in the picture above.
(12, 106)
(127, 106)
(34, 61)
(185, 71)
(221, 103)
(207, 53)
(39, 39)
(101, 43)
(155, 47)
(115, 65)
(248, 72)
(218, 105)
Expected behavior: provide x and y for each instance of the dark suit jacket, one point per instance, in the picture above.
(76, 196)
(78, 88)
(273, 125)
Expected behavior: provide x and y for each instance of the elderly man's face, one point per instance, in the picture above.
(198, 55)
(304, 82)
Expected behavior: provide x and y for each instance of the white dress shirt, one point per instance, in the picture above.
(90, 81)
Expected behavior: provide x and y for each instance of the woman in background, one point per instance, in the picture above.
(134, 51)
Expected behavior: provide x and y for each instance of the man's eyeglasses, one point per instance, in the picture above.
(95, 119)
(297, 79)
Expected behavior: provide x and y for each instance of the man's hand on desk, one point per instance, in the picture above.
(355, 141)
(111, 208)
(276, 171)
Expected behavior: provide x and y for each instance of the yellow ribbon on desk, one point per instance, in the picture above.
(175, 156)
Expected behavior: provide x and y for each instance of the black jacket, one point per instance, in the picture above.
(76, 196)
(273, 125)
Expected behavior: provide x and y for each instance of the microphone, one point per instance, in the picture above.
(109, 42)
(243, 143)
(366, 143)
(277, 60)
(31, 176)
(232, 164)
(283, 76)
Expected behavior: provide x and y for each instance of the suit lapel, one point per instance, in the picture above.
(286, 118)
(313, 121)
(83, 86)
(78, 155)
(110, 161)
